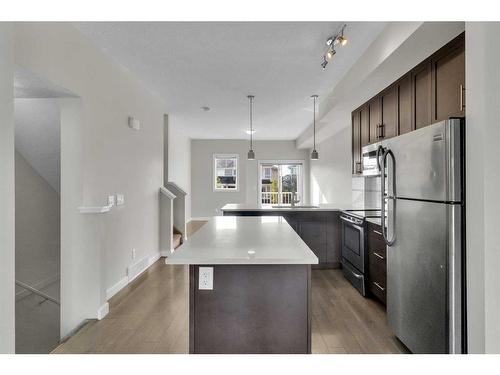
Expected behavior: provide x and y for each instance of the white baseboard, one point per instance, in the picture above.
(122, 283)
(103, 311)
(39, 285)
(138, 268)
(135, 270)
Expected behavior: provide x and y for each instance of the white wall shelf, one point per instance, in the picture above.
(95, 210)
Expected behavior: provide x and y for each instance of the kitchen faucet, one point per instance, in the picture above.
(294, 200)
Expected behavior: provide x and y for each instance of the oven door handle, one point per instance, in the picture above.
(347, 220)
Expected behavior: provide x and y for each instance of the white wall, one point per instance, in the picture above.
(38, 136)
(206, 202)
(179, 159)
(7, 251)
(330, 176)
(115, 159)
(37, 227)
(483, 178)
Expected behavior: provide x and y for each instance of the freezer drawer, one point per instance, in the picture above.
(424, 277)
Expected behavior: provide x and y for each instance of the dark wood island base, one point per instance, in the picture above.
(252, 309)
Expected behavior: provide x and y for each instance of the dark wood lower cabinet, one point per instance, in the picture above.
(252, 309)
(377, 263)
(320, 230)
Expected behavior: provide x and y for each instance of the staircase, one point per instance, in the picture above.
(172, 218)
(177, 240)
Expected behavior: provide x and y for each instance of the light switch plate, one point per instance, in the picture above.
(111, 200)
(120, 199)
(206, 278)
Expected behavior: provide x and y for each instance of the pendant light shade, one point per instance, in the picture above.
(251, 155)
(314, 153)
(251, 152)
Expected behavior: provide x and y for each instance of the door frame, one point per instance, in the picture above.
(278, 161)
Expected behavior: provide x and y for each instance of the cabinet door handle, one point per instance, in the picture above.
(378, 255)
(378, 286)
(462, 101)
(376, 231)
(380, 131)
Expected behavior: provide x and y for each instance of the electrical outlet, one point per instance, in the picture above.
(111, 200)
(133, 253)
(120, 199)
(206, 278)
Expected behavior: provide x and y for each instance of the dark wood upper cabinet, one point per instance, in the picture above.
(374, 119)
(364, 122)
(421, 96)
(431, 92)
(389, 112)
(356, 143)
(403, 89)
(448, 69)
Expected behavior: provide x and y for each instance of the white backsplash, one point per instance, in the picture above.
(366, 192)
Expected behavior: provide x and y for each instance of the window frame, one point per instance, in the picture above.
(301, 183)
(214, 172)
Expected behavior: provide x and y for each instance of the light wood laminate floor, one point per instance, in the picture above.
(151, 316)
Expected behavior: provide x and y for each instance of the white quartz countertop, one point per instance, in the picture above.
(375, 220)
(269, 207)
(244, 240)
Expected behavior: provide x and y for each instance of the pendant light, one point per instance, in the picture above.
(314, 153)
(251, 153)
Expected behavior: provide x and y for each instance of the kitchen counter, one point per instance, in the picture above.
(268, 207)
(244, 240)
(374, 220)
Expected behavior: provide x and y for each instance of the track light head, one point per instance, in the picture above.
(342, 40)
(330, 53)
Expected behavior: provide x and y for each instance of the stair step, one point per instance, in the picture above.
(177, 240)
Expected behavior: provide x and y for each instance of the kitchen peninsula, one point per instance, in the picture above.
(249, 286)
(318, 226)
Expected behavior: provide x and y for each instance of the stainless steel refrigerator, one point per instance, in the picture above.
(423, 198)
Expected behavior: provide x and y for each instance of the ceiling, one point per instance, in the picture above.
(217, 64)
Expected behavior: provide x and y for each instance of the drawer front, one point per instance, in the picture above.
(377, 264)
(376, 241)
(378, 290)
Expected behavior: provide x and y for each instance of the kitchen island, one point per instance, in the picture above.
(249, 286)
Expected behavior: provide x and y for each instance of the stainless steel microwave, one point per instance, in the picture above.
(369, 165)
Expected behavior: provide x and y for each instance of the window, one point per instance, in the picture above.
(279, 181)
(226, 173)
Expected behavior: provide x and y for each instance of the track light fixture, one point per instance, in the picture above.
(337, 40)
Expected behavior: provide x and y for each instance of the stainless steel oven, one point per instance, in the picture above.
(354, 250)
(369, 166)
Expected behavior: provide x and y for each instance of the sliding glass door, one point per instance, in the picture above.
(279, 181)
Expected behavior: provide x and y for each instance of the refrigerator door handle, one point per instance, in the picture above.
(380, 152)
(388, 241)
